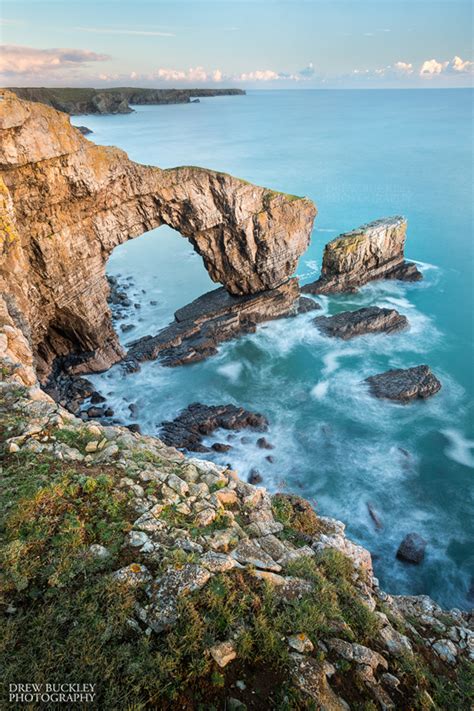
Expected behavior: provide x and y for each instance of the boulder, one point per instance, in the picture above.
(349, 324)
(404, 384)
(412, 548)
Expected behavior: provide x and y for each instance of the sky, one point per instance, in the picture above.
(302, 44)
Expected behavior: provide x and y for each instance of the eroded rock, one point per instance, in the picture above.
(349, 324)
(373, 251)
(404, 384)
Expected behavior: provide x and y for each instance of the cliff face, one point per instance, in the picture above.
(78, 101)
(67, 203)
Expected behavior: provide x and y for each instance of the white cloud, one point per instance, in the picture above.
(403, 67)
(432, 66)
(111, 31)
(308, 71)
(459, 65)
(20, 61)
(259, 75)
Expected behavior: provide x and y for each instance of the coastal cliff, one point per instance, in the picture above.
(68, 203)
(77, 101)
(159, 580)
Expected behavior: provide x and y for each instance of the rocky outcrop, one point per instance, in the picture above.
(373, 251)
(195, 422)
(67, 203)
(412, 548)
(349, 324)
(112, 101)
(211, 319)
(213, 572)
(404, 384)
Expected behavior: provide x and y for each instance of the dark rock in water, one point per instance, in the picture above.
(134, 427)
(349, 324)
(404, 385)
(97, 398)
(67, 390)
(270, 459)
(373, 251)
(197, 420)
(245, 440)
(84, 130)
(153, 303)
(263, 443)
(305, 304)
(195, 101)
(255, 477)
(96, 412)
(374, 516)
(220, 447)
(108, 412)
(133, 407)
(125, 327)
(412, 548)
(211, 319)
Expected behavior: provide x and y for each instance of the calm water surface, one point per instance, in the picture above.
(359, 155)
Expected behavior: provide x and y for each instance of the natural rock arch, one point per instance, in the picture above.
(67, 203)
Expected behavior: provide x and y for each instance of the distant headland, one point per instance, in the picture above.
(78, 100)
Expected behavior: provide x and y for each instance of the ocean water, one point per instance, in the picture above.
(359, 155)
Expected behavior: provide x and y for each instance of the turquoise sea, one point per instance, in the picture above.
(359, 155)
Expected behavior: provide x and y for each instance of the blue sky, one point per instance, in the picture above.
(245, 43)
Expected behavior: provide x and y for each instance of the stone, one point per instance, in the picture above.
(138, 538)
(168, 588)
(226, 497)
(395, 642)
(188, 429)
(92, 446)
(98, 551)
(301, 643)
(223, 653)
(13, 447)
(373, 251)
(255, 477)
(248, 553)
(412, 548)
(446, 650)
(133, 575)
(349, 324)
(404, 385)
(263, 443)
(217, 562)
(311, 678)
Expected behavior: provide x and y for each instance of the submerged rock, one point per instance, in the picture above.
(211, 319)
(373, 251)
(412, 548)
(84, 130)
(349, 324)
(404, 384)
(187, 430)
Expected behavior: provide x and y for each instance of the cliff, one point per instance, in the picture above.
(78, 101)
(68, 203)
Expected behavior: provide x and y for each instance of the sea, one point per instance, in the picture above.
(359, 155)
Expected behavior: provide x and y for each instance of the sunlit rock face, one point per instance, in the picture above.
(373, 251)
(67, 203)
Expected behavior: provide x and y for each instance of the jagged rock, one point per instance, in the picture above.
(248, 553)
(412, 548)
(133, 575)
(301, 643)
(396, 643)
(223, 653)
(446, 650)
(84, 130)
(404, 384)
(255, 477)
(168, 588)
(211, 319)
(349, 324)
(373, 251)
(69, 202)
(311, 677)
(197, 420)
(263, 443)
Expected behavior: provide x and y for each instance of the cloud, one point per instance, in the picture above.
(20, 61)
(111, 31)
(403, 67)
(431, 67)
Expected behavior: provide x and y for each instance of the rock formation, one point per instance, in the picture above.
(213, 318)
(349, 324)
(112, 101)
(373, 251)
(67, 203)
(197, 420)
(412, 548)
(404, 384)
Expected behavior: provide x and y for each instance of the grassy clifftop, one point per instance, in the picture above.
(167, 582)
